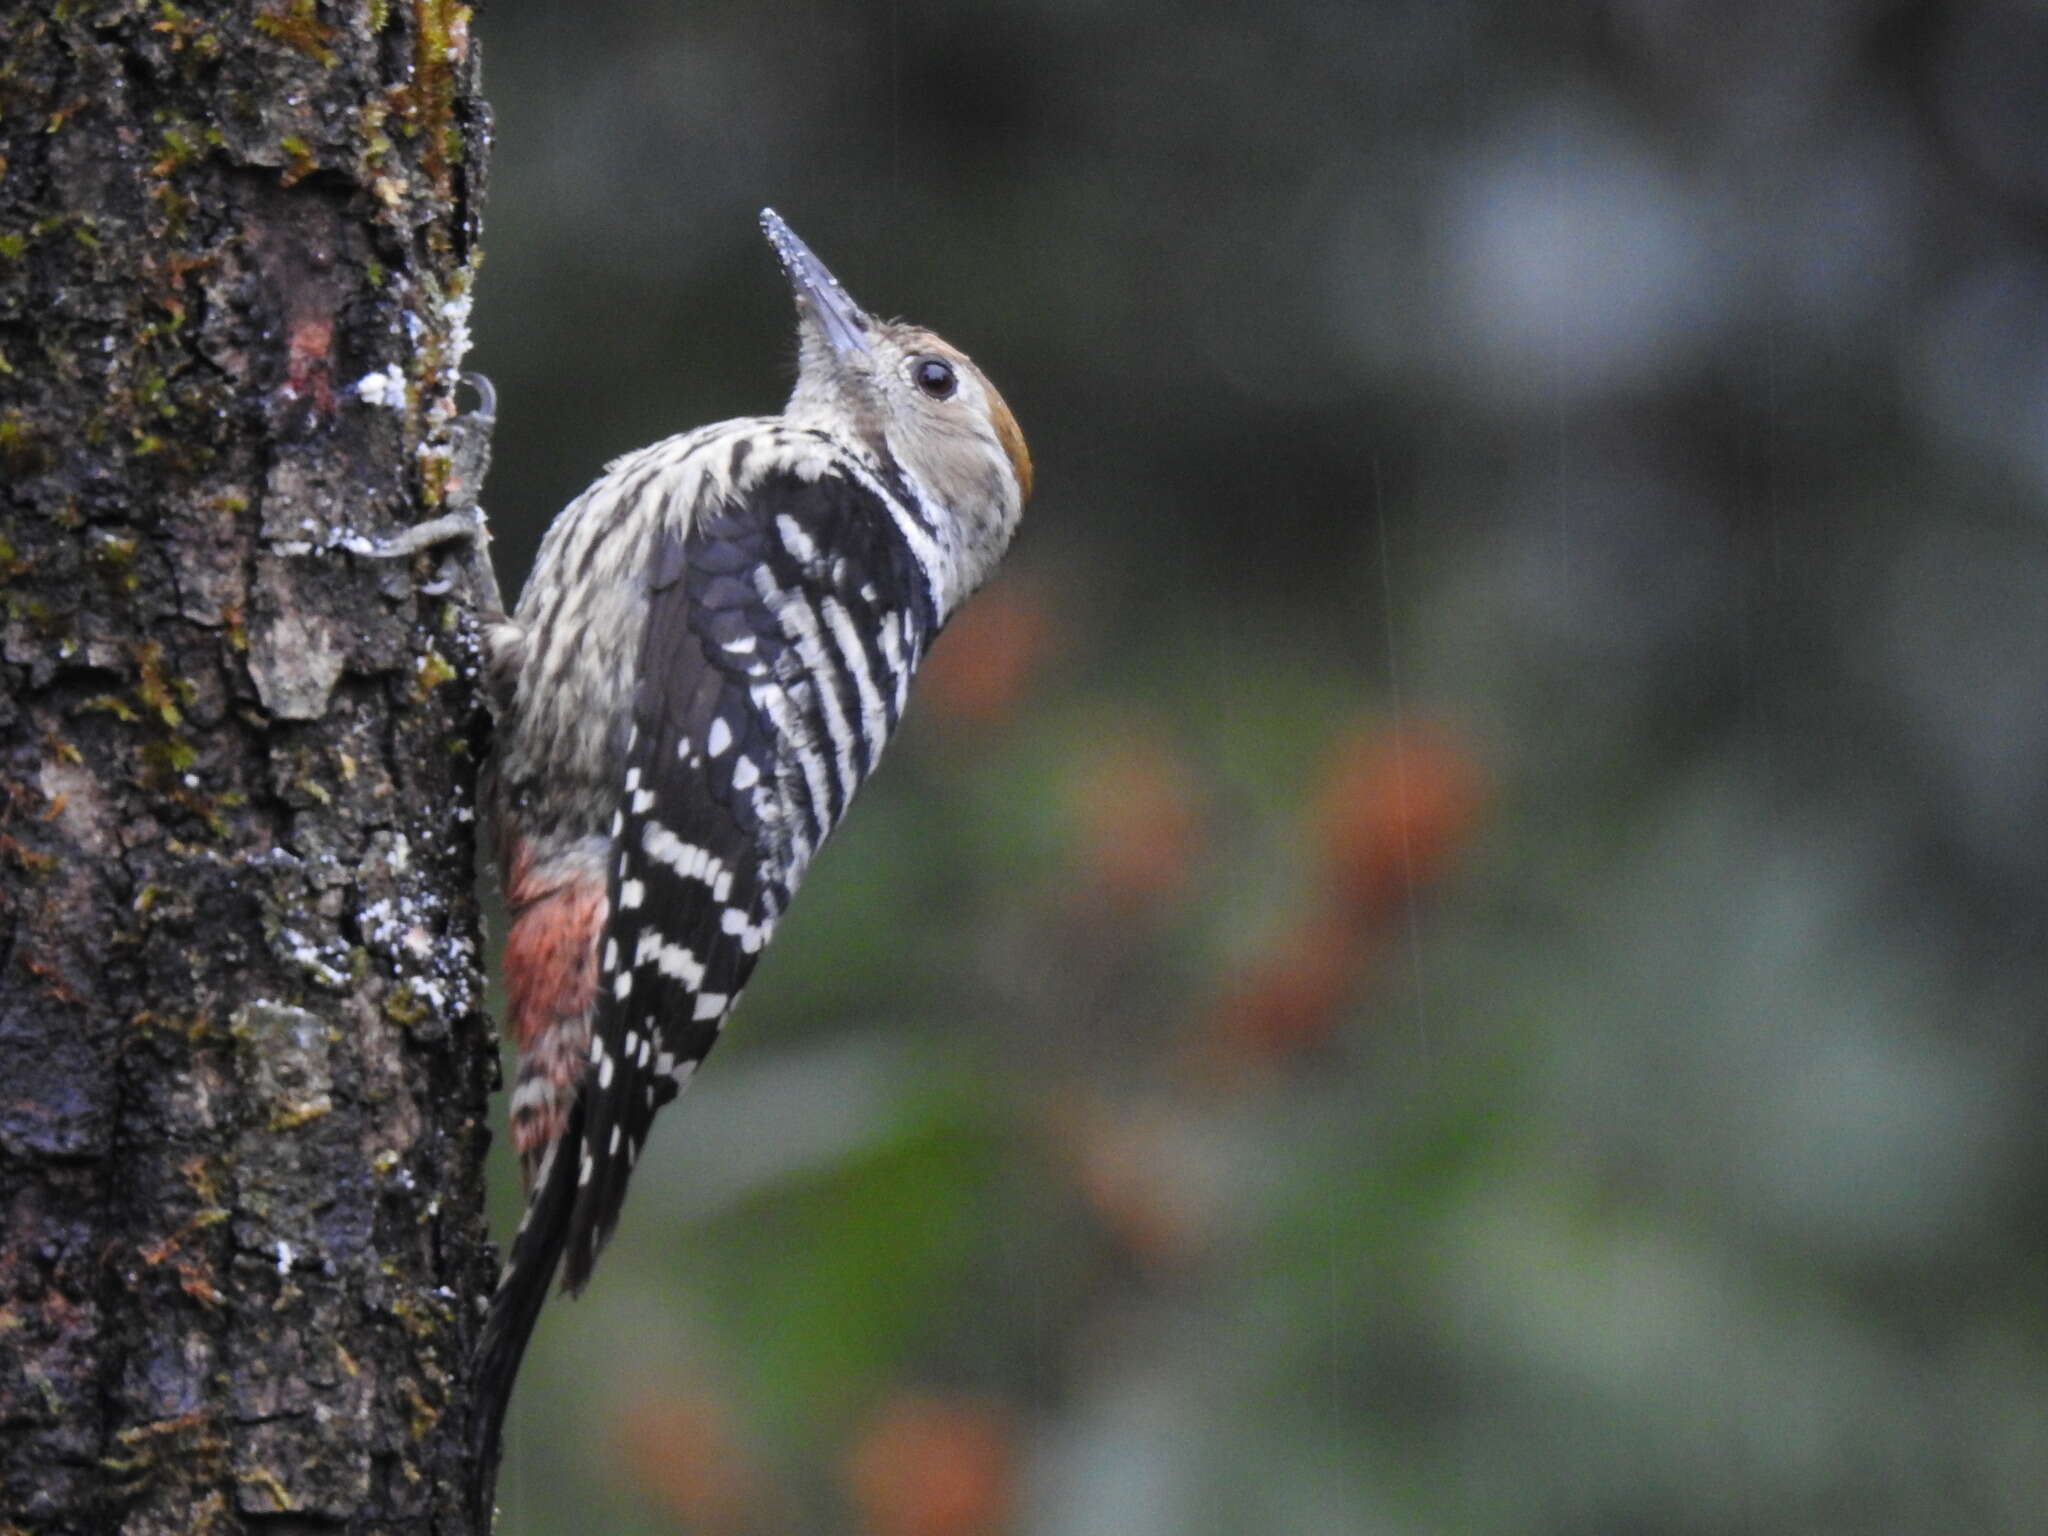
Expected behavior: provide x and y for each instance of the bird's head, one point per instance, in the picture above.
(917, 402)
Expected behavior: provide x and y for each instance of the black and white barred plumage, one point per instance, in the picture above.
(781, 636)
(713, 648)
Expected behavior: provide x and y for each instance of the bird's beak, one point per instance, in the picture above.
(818, 293)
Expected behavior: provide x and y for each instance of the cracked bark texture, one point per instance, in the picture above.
(243, 1063)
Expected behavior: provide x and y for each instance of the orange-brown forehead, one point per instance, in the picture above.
(1011, 436)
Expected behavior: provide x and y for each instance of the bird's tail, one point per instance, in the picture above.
(515, 1307)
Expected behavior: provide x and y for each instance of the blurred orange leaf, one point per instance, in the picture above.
(1291, 998)
(1391, 813)
(986, 661)
(1140, 830)
(934, 1466)
(1132, 1175)
(682, 1449)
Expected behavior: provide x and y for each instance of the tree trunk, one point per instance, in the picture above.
(243, 1063)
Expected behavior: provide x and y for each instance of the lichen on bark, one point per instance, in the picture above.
(243, 1060)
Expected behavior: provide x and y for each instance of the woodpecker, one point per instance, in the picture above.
(716, 641)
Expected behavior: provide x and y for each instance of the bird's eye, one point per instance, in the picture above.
(935, 378)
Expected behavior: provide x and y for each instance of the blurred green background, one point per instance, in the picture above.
(1458, 943)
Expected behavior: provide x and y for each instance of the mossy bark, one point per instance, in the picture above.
(243, 1063)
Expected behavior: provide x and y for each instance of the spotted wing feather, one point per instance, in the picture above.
(781, 633)
(687, 883)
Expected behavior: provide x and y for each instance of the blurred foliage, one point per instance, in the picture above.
(1457, 943)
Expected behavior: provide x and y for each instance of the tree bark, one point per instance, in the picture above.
(243, 1063)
